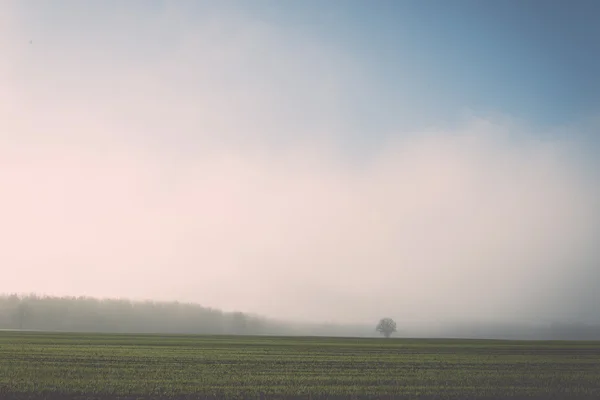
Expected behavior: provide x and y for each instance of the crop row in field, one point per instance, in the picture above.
(53, 366)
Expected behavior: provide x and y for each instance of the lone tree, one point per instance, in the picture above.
(386, 327)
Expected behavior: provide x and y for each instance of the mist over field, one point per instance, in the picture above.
(226, 160)
(122, 316)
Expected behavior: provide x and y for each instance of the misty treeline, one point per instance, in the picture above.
(119, 315)
(87, 314)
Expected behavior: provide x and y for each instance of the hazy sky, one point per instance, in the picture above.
(327, 161)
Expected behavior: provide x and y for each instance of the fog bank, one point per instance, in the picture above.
(221, 166)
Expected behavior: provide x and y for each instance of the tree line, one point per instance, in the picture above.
(87, 314)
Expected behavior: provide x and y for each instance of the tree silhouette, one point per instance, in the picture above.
(386, 327)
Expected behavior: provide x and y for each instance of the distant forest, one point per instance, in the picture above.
(87, 314)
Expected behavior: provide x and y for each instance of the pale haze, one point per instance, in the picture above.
(217, 154)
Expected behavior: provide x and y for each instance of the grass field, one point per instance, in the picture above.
(94, 366)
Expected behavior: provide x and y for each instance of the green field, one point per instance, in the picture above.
(94, 366)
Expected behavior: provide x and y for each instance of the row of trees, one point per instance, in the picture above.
(86, 314)
(116, 315)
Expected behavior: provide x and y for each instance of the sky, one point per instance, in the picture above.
(337, 161)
